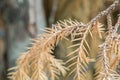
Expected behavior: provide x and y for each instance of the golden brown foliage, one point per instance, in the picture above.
(39, 63)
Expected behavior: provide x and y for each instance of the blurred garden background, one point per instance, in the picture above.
(22, 20)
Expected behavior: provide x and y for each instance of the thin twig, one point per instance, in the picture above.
(105, 12)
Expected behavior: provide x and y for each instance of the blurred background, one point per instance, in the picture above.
(21, 20)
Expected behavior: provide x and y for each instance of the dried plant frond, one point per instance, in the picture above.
(102, 66)
(106, 63)
(39, 63)
(79, 60)
(98, 29)
(109, 21)
(38, 60)
(23, 69)
(56, 68)
(113, 40)
(115, 53)
(109, 57)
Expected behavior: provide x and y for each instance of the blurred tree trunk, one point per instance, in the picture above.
(40, 17)
(27, 17)
(37, 18)
(17, 35)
